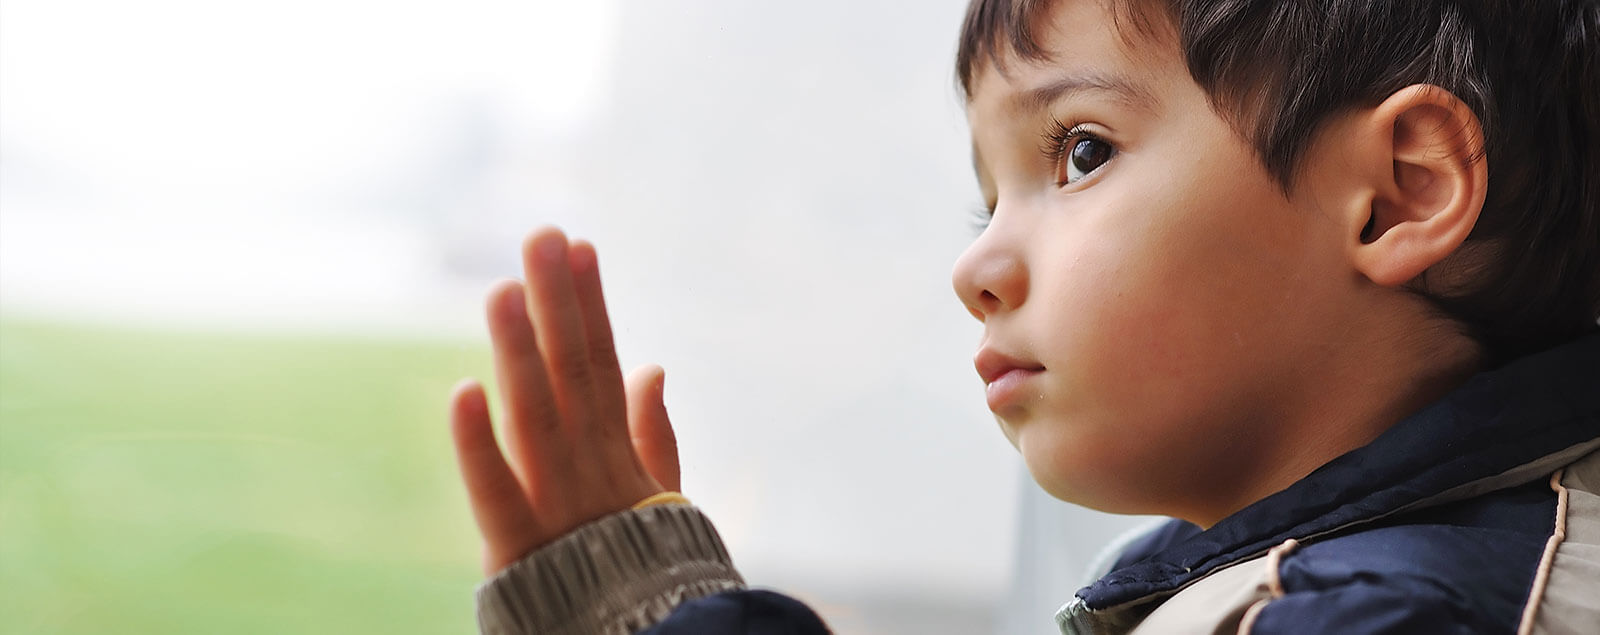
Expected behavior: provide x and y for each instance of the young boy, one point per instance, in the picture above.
(1318, 279)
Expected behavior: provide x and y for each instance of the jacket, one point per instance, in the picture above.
(1478, 514)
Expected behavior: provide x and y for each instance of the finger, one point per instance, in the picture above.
(558, 324)
(499, 504)
(532, 421)
(609, 406)
(649, 428)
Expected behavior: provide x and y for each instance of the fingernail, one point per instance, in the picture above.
(464, 387)
(551, 248)
(583, 258)
(515, 304)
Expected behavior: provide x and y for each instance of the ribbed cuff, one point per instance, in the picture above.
(619, 574)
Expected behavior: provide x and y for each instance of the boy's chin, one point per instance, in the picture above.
(1094, 479)
(1065, 479)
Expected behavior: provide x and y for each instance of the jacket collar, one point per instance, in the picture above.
(1502, 428)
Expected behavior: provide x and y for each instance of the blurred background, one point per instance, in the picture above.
(242, 252)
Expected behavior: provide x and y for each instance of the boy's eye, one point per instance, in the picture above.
(1086, 155)
(1074, 151)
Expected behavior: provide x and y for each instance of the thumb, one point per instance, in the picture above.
(649, 428)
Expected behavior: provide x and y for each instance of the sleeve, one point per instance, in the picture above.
(743, 612)
(661, 568)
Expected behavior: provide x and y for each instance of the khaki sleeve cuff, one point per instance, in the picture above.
(619, 574)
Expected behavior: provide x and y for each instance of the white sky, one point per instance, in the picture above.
(155, 155)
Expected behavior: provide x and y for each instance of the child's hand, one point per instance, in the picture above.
(577, 446)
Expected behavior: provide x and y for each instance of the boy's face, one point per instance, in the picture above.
(1152, 291)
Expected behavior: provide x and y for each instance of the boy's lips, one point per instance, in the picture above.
(1003, 376)
(992, 364)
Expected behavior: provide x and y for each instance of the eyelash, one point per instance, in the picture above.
(1058, 140)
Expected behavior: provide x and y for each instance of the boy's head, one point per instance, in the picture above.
(1233, 239)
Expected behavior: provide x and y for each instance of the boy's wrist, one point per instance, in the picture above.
(662, 498)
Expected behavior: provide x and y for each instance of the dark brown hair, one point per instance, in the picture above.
(1529, 70)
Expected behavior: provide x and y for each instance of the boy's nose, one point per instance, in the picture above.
(990, 276)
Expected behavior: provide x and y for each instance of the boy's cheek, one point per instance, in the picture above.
(1142, 402)
(1122, 325)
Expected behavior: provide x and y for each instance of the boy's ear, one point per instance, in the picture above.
(1427, 203)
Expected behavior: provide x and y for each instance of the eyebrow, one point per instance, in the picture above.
(1121, 90)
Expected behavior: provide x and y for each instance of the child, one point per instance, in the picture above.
(1317, 278)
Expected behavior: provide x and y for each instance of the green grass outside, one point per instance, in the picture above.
(165, 482)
